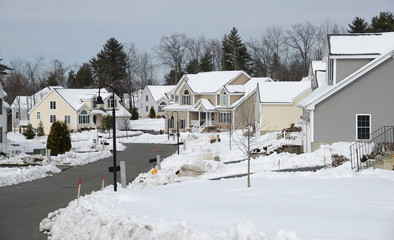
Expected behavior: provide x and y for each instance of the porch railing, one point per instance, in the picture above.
(365, 153)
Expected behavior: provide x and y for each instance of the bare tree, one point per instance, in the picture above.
(302, 38)
(172, 52)
(145, 70)
(214, 47)
(195, 47)
(132, 84)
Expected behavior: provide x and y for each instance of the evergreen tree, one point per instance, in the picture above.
(206, 64)
(134, 113)
(82, 79)
(170, 78)
(106, 124)
(382, 23)
(358, 25)
(192, 67)
(59, 140)
(29, 133)
(110, 66)
(40, 129)
(235, 54)
(152, 113)
(275, 67)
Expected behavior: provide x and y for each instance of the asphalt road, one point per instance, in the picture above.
(23, 206)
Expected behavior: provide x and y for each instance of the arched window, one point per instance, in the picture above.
(224, 99)
(186, 98)
(162, 105)
(84, 117)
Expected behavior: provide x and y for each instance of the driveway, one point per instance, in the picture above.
(23, 206)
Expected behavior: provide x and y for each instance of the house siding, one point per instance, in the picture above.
(372, 93)
(345, 67)
(244, 113)
(240, 80)
(234, 98)
(143, 103)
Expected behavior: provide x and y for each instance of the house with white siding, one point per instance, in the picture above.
(154, 96)
(3, 120)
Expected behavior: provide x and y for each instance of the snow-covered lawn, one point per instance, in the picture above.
(333, 203)
(83, 151)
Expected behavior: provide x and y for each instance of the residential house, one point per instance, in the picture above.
(154, 96)
(353, 97)
(21, 106)
(3, 120)
(78, 108)
(279, 103)
(213, 100)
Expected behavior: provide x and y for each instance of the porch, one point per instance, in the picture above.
(201, 120)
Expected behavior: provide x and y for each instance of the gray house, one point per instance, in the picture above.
(354, 95)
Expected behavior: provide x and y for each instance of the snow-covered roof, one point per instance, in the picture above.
(119, 113)
(282, 92)
(74, 96)
(28, 102)
(321, 93)
(206, 104)
(318, 66)
(367, 43)
(177, 107)
(159, 91)
(205, 82)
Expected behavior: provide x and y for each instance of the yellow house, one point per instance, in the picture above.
(279, 103)
(77, 107)
(213, 100)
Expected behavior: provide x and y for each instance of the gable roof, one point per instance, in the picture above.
(360, 44)
(320, 94)
(74, 97)
(158, 92)
(204, 103)
(26, 102)
(205, 82)
(282, 92)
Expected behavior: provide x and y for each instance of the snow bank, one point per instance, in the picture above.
(16, 175)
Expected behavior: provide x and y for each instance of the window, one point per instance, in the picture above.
(172, 97)
(38, 115)
(67, 119)
(94, 103)
(186, 98)
(84, 117)
(171, 122)
(224, 99)
(52, 118)
(146, 108)
(111, 102)
(182, 124)
(17, 115)
(224, 117)
(162, 105)
(330, 71)
(52, 105)
(146, 98)
(363, 126)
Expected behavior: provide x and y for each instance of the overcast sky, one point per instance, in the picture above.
(74, 31)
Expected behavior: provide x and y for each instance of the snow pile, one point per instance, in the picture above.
(12, 176)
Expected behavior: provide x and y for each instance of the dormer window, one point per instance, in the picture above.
(111, 102)
(224, 99)
(186, 98)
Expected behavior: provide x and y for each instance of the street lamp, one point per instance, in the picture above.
(168, 125)
(99, 101)
(177, 127)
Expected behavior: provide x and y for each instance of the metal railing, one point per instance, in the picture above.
(365, 153)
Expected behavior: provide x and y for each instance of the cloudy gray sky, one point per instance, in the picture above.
(73, 31)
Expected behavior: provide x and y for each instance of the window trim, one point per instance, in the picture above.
(224, 117)
(182, 123)
(38, 115)
(84, 117)
(52, 118)
(186, 98)
(224, 99)
(370, 126)
(67, 119)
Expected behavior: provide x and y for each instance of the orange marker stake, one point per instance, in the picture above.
(102, 183)
(79, 191)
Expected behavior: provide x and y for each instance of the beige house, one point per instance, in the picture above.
(77, 107)
(279, 103)
(214, 100)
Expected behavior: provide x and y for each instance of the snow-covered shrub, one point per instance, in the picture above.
(338, 160)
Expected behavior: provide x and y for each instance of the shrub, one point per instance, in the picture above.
(134, 113)
(338, 160)
(292, 128)
(106, 123)
(29, 133)
(59, 140)
(152, 113)
(40, 129)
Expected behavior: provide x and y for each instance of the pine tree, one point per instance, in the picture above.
(275, 67)
(382, 23)
(82, 79)
(206, 64)
(152, 113)
(29, 133)
(110, 65)
(358, 25)
(106, 124)
(40, 129)
(235, 54)
(134, 113)
(59, 140)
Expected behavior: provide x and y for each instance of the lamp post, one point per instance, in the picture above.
(177, 127)
(99, 101)
(168, 125)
